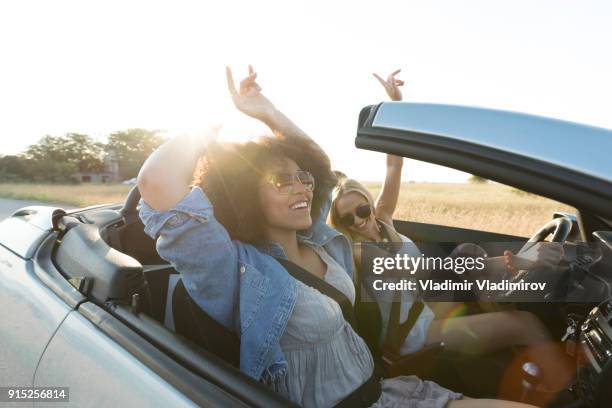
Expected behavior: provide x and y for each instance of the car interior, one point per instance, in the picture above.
(123, 276)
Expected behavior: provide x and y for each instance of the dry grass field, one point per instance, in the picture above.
(488, 207)
(80, 195)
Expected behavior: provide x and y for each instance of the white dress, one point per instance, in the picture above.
(327, 360)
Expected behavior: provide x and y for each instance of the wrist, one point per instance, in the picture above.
(394, 162)
(270, 116)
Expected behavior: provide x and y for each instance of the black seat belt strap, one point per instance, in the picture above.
(396, 331)
(325, 288)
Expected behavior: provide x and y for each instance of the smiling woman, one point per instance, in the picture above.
(255, 172)
(254, 214)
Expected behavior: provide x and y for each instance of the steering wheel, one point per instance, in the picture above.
(560, 229)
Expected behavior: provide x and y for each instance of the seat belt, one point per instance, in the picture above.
(325, 288)
(397, 332)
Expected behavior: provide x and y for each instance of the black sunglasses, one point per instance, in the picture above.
(363, 211)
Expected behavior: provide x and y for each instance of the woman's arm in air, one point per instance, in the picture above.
(389, 194)
(249, 100)
(165, 176)
(386, 202)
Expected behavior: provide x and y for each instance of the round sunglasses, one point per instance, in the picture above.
(285, 182)
(362, 211)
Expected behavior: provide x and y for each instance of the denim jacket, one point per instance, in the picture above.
(241, 286)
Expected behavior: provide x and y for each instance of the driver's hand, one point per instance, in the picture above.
(539, 255)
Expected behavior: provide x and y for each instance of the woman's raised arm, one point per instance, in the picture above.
(165, 176)
(386, 202)
(249, 100)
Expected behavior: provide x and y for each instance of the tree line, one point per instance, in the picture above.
(57, 159)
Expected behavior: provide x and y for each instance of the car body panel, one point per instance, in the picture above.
(31, 313)
(21, 236)
(82, 356)
(545, 139)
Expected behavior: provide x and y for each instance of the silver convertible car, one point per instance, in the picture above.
(88, 304)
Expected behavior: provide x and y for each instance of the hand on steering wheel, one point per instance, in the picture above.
(537, 254)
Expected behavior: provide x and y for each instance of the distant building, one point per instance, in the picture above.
(109, 175)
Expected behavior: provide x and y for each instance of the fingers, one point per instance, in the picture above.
(230, 82)
(393, 81)
(382, 81)
(248, 84)
(245, 85)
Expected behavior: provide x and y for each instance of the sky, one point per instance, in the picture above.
(99, 67)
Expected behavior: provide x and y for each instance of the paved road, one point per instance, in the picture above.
(9, 206)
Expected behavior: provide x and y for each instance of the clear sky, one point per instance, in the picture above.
(96, 67)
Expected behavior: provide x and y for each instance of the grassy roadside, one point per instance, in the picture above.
(80, 195)
(487, 207)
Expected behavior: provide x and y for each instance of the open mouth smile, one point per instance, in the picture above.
(300, 205)
(362, 224)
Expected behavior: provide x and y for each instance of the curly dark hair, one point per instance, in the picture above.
(230, 174)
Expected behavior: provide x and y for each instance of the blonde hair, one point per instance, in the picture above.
(345, 186)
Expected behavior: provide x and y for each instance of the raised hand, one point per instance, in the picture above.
(391, 85)
(249, 99)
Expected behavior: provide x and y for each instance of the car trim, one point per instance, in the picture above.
(545, 139)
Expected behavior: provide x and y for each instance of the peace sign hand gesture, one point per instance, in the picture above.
(249, 99)
(392, 85)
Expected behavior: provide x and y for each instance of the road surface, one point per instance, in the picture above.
(8, 206)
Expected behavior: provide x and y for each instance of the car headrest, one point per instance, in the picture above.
(97, 270)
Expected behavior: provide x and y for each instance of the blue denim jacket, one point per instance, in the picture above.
(241, 286)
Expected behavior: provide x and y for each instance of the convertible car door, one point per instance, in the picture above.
(99, 372)
(53, 336)
(31, 313)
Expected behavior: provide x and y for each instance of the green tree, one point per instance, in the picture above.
(12, 168)
(48, 170)
(57, 158)
(477, 179)
(131, 148)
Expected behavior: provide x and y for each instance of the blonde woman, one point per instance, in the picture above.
(361, 218)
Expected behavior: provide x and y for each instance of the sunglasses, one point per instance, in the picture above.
(363, 211)
(285, 182)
